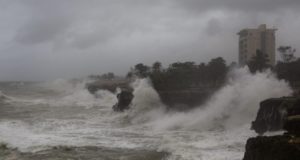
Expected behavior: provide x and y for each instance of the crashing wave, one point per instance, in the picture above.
(233, 105)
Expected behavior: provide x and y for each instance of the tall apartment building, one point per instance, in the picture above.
(251, 40)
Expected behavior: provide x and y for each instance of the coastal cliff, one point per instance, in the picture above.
(283, 147)
(276, 114)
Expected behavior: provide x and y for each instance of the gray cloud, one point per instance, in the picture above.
(240, 5)
(49, 39)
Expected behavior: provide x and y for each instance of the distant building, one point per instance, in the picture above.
(262, 39)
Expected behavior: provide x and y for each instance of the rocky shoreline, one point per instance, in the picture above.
(282, 147)
(276, 114)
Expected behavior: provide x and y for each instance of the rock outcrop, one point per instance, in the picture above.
(273, 113)
(292, 125)
(273, 148)
(124, 97)
(124, 100)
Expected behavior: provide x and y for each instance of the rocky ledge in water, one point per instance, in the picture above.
(273, 113)
(276, 114)
(81, 153)
(283, 147)
(124, 100)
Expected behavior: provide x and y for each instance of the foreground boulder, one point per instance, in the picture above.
(292, 125)
(273, 113)
(273, 148)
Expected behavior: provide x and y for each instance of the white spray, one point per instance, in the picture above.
(146, 104)
(233, 105)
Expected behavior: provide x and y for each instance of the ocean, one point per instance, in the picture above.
(61, 120)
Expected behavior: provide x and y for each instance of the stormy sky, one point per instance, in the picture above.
(49, 39)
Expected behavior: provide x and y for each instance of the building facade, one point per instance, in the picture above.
(251, 40)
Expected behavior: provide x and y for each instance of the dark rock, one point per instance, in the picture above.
(273, 148)
(124, 97)
(183, 99)
(292, 125)
(124, 100)
(273, 113)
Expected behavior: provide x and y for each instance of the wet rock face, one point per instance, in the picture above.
(273, 148)
(273, 113)
(124, 97)
(182, 100)
(292, 125)
(276, 114)
(124, 100)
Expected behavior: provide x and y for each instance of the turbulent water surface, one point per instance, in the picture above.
(61, 120)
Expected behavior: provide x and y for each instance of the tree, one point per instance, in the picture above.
(157, 76)
(217, 70)
(287, 53)
(156, 67)
(259, 62)
(108, 76)
(288, 68)
(183, 75)
(141, 70)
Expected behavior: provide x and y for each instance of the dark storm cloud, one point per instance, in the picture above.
(46, 21)
(213, 27)
(63, 38)
(41, 29)
(240, 5)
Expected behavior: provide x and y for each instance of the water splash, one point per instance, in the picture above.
(233, 105)
(146, 104)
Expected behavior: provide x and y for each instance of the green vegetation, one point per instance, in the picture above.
(289, 67)
(189, 75)
(106, 76)
(183, 75)
(287, 53)
(211, 75)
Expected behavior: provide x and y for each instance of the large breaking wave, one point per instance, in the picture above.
(233, 105)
